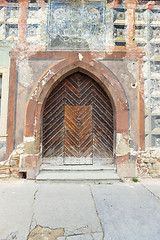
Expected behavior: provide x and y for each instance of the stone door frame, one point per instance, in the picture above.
(69, 63)
(32, 128)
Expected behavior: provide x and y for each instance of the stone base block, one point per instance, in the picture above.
(30, 165)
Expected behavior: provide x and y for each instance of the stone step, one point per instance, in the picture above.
(96, 174)
(59, 161)
(48, 167)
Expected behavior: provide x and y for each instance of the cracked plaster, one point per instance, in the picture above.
(122, 146)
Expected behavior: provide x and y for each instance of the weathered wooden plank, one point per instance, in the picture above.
(102, 105)
(54, 111)
(55, 148)
(54, 125)
(83, 141)
(104, 115)
(53, 102)
(72, 88)
(100, 132)
(57, 116)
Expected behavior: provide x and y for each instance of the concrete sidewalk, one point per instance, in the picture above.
(48, 211)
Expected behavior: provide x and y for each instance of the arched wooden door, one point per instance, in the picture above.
(78, 123)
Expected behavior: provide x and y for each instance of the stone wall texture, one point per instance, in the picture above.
(148, 163)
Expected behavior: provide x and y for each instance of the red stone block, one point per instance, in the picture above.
(31, 161)
(150, 5)
(29, 130)
(122, 123)
(41, 3)
(3, 3)
(114, 4)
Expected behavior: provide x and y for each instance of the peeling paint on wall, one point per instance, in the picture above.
(29, 139)
(132, 68)
(25, 73)
(122, 146)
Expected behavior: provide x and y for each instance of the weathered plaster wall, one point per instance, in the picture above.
(5, 59)
(28, 73)
(90, 26)
(126, 73)
(4, 72)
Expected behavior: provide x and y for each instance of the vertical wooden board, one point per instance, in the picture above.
(81, 150)
(53, 124)
(102, 123)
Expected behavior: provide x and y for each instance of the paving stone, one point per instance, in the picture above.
(92, 236)
(68, 206)
(97, 236)
(16, 209)
(80, 237)
(127, 212)
(153, 185)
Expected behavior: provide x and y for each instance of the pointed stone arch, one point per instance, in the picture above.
(34, 108)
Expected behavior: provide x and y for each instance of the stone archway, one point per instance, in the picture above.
(44, 86)
(78, 123)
